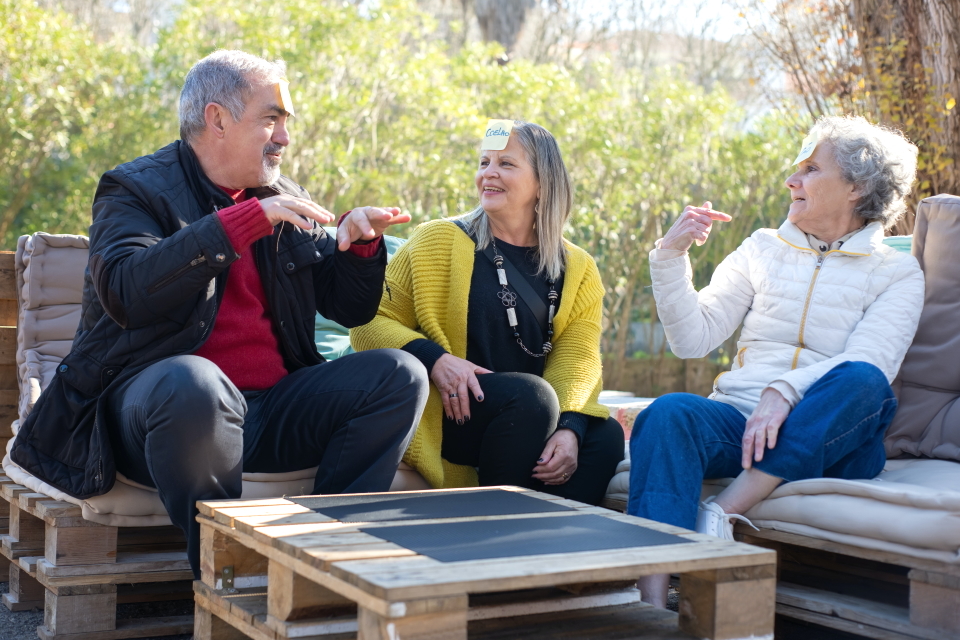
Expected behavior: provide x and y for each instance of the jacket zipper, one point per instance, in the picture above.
(200, 259)
(806, 308)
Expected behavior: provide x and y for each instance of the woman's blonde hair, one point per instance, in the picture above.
(553, 208)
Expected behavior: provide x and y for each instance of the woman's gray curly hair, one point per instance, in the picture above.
(879, 161)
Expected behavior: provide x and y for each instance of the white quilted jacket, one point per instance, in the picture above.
(803, 313)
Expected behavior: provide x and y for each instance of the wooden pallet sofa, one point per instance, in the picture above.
(78, 559)
(880, 558)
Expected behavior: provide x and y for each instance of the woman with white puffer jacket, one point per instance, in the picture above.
(828, 312)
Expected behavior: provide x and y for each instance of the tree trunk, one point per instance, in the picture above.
(941, 36)
(929, 69)
(502, 20)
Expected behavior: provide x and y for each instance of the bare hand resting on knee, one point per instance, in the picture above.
(455, 376)
(763, 426)
(558, 461)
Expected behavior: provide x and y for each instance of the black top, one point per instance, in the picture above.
(490, 341)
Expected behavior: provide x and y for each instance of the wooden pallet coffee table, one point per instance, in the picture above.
(273, 569)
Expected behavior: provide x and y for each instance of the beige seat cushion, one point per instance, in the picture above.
(912, 508)
(50, 272)
(130, 504)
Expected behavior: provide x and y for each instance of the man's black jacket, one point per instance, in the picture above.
(157, 269)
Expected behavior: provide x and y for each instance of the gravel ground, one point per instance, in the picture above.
(22, 625)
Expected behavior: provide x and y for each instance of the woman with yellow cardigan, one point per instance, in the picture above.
(505, 315)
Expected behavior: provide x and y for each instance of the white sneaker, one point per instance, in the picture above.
(712, 520)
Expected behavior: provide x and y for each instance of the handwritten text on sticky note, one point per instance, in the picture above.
(497, 135)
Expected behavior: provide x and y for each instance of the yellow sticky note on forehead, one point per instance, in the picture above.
(497, 134)
(807, 147)
(283, 95)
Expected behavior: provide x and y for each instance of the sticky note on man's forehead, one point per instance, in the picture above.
(283, 96)
(497, 135)
(807, 147)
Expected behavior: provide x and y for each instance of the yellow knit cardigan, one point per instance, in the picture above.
(428, 287)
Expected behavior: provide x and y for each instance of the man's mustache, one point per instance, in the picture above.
(272, 148)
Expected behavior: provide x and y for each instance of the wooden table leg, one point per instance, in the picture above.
(290, 596)
(207, 626)
(728, 604)
(429, 619)
(81, 609)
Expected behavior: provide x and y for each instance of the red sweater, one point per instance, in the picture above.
(243, 343)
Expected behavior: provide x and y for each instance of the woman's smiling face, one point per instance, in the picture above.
(821, 198)
(505, 180)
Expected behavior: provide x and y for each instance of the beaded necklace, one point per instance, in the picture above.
(509, 300)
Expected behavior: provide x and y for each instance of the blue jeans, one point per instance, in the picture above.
(835, 431)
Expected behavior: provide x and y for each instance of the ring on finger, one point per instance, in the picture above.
(453, 395)
(564, 476)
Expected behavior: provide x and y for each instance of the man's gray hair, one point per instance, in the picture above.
(554, 206)
(878, 160)
(226, 78)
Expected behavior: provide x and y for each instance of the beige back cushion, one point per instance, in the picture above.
(49, 287)
(928, 385)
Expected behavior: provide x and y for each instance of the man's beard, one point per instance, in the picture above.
(270, 167)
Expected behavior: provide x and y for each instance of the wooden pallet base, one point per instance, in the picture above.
(78, 571)
(869, 593)
(635, 621)
(146, 628)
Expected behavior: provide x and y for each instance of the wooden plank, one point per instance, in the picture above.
(298, 524)
(442, 619)
(311, 573)
(749, 536)
(130, 568)
(857, 629)
(81, 610)
(29, 500)
(324, 557)
(400, 578)
(8, 276)
(245, 613)
(65, 546)
(8, 376)
(54, 509)
(219, 550)
(26, 530)
(209, 507)
(935, 601)
(24, 592)
(208, 626)
(729, 603)
(8, 313)
(131, 628)
(8, 345)
(226, 515)
(857, 610)
(293, 597)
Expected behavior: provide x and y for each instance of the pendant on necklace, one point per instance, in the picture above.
(503, 276)
(512, 316)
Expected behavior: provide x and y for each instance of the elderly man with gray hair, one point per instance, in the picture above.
(195, 360)
(828, 312)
